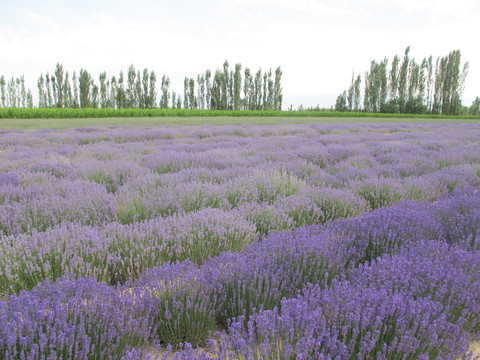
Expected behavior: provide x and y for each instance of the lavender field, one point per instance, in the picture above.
(313, 241)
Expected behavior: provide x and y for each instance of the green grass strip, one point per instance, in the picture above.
(12, 118)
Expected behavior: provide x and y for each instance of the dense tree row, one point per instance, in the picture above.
(223, 90)
(135, 89)
(408, 86)
(14, 94)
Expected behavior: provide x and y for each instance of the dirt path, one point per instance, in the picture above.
(475, 346)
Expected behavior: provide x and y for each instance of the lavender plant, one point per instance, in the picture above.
(71, 320)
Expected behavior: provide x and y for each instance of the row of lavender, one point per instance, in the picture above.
(401, 282)
(111, 203)
(97, 176)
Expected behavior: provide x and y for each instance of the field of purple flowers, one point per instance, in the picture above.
(318, 241)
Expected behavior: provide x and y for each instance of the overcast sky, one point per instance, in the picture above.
(317, 43)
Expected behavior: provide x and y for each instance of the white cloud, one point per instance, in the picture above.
(317, 43)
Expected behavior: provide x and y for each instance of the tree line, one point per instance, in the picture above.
(224, 89)
(408, 86)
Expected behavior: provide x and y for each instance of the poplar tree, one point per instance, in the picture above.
(85, 88)
(42, 101)
(247, 90)
(265, 87)
(145, 99)
(257, 97)
(138, 93)
(54, 91)
(357, 93)
(164, 98)
(49, 93)
(474, 109)
(2, 90)
(67, 92)
(192, 101)
(103, 89)
(383, 79)
(278, 97)
(185, 94)
(216, 91)
(403, 80)
(394, 78)
(208, 88)
(23, 92)
(76, 99)
(350, 93)
(179, 102)
(341, 103)
(59, 81)
(121, 92)
(237, 86)
(29, 99)
(270, 89)
(429, 83)
(152, 93)
(224, 87)
(201, 91)
(12, 93)
(113, 92)
(130, 89)
(94, 96)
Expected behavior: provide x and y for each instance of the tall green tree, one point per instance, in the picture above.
(174, 100)
(165, 87)
(265, 91)
(144, 98)
(474, 109)
(248, 89)
(48, 90)
(121, 92)
(208, 88)
(383, 79)
(42, 96)
(224, 88)
(85, 88)
(403, 81)
(186, 104)
(257, 90)
(201, 91)
(130, 89)
(192, 100)
(59, 81)
(278, 97)
(350, 93)
(270, 89)
(103, 90)
(357, 93)
(76, 99)
(29, 99)
(152, 93)
(237, 86)
(3, 95)
(113, 92)
(341, 103)
(138, 93)
(67, 91)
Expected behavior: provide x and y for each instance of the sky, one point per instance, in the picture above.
(317, 43)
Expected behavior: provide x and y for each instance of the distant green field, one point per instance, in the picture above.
(76, 118)
(27, 124)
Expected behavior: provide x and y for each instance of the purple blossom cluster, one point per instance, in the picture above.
(306, 241)
(309, 293)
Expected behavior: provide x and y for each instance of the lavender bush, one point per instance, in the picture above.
(298, 241)
(71, 320)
